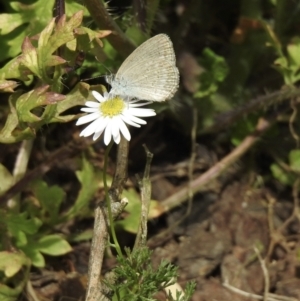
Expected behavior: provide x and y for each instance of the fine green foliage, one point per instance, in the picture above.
(136, 280)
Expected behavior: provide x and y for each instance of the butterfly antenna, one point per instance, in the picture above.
(91, 78)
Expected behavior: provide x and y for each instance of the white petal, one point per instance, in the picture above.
(117, 138)
(98, 96)
(104, 124)
(124, 130)
(107, 134)
(128, 120)
(142, 112)
(92, 128)
(87, 118)
(135, 119)
(92, 104)
(89, 110)
(97, 135)
(115, 126)
(101, 128)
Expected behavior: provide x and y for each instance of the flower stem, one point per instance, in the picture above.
(108, 203)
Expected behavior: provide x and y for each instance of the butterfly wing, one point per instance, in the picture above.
(149, 72)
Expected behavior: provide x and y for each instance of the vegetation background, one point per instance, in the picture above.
(226, 148)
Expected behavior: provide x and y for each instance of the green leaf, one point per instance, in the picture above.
(12, 43)
(51, 40)
(243, 128)
(131, 222)
(288, 65)
(37, 61)
(78, 96)
(90, 182)
(54, 245)
(12, 263)
(64, 33)
(19, 225)
(10, 294)
(9, 22)
(132, 219)
(135, 34)
(281, 62)
(29, 57)
(294, 158)
(8, 85)
(293, 50)
(92, 34)
(216, 70)
(89, 40)
(155, 209)
(281, 175)
(6, 179)
(15, 69)
(37, 259)
(28, 20)
(81, 236)
(11, 133)
(20, 238)
(50, 199)
(33, 99)
(12, 284)
(45, 37)
(72, 7)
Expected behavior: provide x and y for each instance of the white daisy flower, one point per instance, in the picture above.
(110, 115)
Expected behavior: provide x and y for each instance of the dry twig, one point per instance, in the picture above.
(271, 297)
(276, 235)
(228, 118)
(197, 184)
(145, 187)
(100, 234)
(265, 272)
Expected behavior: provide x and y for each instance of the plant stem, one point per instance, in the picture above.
(108, 202)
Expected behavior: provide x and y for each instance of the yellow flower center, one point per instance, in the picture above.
(112, 107)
